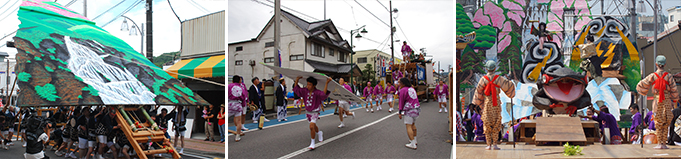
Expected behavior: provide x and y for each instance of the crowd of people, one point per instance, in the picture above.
(240, 100)
(91, 132)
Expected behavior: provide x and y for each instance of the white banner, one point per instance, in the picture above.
(338, 92)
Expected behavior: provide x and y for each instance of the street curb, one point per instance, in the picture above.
(212, 154)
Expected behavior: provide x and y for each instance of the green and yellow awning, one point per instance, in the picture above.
(205, 67)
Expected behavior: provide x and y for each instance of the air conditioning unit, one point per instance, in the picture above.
(251, 62)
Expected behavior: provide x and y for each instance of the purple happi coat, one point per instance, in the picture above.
(409, 102)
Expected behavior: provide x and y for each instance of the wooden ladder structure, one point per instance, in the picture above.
(150, 133)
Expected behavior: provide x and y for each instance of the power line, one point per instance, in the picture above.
(405, 35)
(125, 11)
(313, 18)
(70, 3)
(353, 12)
(386, 8)
(386, 24)
(199, 6)
(119, 3)
(10, 13)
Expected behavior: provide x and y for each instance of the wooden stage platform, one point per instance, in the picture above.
(470, 151)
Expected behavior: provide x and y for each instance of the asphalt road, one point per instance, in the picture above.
(369, 135)
(17, 152)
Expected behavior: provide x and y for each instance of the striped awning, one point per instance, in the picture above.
(212, 66)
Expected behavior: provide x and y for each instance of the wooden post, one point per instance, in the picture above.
(146, 115)
(121, 111)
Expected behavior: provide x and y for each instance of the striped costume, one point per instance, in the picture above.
(486, 96)
(665, 93)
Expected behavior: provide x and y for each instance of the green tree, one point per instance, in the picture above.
(368, 74)
(165, 58)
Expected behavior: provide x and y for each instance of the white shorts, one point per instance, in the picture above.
(344, 104)
(109, 144)
(379, 98)
(38, 155)
(101, 139)
(245, 109)
(390, 98)
(442, 99)
(124, 146)
(368, 99)
(66, 140)
(181, 133)
(23, 131)
(84, 143)
(408, 120)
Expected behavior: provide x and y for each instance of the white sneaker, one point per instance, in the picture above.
(345, 116)
(255, 121)
(181, 151)
(24, 145)
(266, 120)
(372, 110)
(237, 138)
(445, 109)
(320, 135)
(411, 145)
(341, 125)
(72, 155)
(390, 110)
(98, 156)
(311, 147)
(440, 110)
(244, 128)
(415, 142)
(353, 115)
(367, 110)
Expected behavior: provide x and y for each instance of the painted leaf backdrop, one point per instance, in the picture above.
(64, 59)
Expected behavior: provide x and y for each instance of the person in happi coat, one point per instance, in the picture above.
(487, 96)
(636, 122)
(674, 138)
(378, 92)
(313, 98)
(478, 125)
(343, 105)
(409, 107)
(280, 94)
(666, 96)
(649, 120)
(441, 92)
(368, 96)
(390, 94)
(606, 120)
(406, 52)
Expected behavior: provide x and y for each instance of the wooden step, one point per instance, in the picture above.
(560, 129)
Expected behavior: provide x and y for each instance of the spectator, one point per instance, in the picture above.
(221, 123)
(280, 94)
(256, 97)
(210, 123)
(179, 121)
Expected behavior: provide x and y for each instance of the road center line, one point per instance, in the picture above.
(230, 134)
(296, 153)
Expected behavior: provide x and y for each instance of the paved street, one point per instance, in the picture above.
(369, 135)
(191, 152)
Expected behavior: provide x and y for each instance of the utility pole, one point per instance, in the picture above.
(277, 33)
(392, 42)
(656, 24)
(632, 13)
(85, 8)
(324, 9)
(150, 29)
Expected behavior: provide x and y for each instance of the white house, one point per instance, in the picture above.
(308, 46)
(674, 17)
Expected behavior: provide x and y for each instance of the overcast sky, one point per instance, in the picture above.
(166, 25)
(427, 24)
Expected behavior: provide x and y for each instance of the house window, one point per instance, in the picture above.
(239, 48)
(362, 60)
(341, 57)
(239, 62)
(671, 18)
(317, 50)
(331, 52)
(269, 60)
(296, 57)
(269, 44)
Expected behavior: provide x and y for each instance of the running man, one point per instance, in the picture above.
(378, 92)
(368, 95)
(313, 98)
(442, 92)
(390, 94)
(236, 101)
(344, 106)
